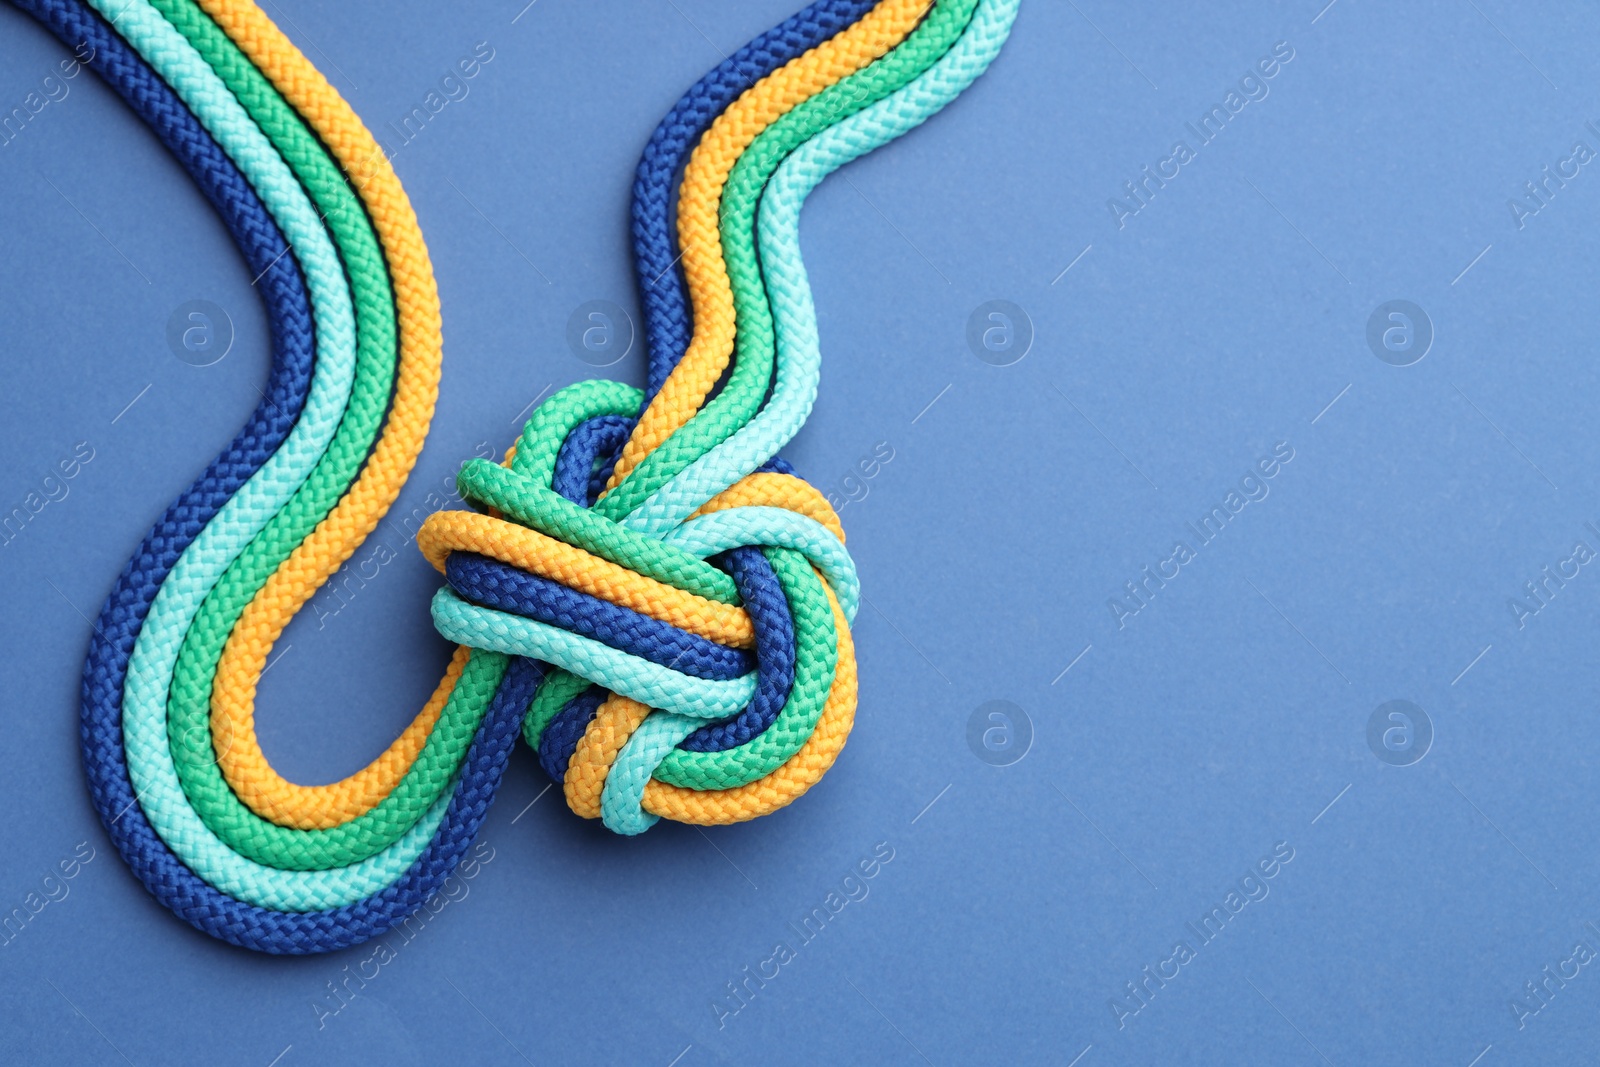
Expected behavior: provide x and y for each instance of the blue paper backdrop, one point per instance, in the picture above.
(1146, 765)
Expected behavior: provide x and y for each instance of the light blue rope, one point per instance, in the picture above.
(685, 701)
(778, 528)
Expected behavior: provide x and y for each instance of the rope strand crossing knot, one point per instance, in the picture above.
(705, 672)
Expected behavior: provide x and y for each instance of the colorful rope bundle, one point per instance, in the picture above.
(645, 593)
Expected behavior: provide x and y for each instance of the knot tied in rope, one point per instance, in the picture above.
(643, 591)
(719, 647)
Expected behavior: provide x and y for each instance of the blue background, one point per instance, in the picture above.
(1229, 715)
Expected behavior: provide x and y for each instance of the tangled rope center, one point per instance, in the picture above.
(704, 672)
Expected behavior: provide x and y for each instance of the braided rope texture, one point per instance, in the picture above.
(645, 593)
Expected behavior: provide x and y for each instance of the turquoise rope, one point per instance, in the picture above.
(780, 528)
(788, 288)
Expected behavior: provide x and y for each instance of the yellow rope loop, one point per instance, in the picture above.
(802, 770)
(613, 724)
(335, 539)
(785, 491)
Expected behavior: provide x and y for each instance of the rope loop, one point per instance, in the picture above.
(703, 658)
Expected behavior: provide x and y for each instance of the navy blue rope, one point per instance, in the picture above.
(590, 451)
(775, 653)
(283, 291)
(587, 455)
(561, 734)
(501, 586)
